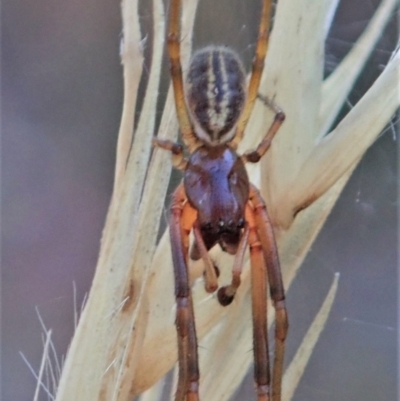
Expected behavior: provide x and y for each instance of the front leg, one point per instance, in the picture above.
(210, 274)
(188, 381)
(270, 250)
(227, 293)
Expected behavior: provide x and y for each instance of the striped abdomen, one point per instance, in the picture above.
(215, 93)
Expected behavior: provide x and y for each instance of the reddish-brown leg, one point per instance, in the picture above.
(259, 307)
(188, 380)
(267, 238)
(226, 294)
(210, 275)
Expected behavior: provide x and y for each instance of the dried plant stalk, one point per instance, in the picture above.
(111, 328)
(125, 340)
(132, 60)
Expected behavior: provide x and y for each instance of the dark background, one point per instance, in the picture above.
(62, 98)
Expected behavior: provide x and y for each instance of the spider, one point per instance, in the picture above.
(217, 202)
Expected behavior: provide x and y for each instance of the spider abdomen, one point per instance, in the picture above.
(215, 93)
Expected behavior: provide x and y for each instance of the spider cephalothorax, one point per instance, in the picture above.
(217, 186)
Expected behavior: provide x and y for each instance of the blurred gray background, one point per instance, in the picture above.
(62, 98)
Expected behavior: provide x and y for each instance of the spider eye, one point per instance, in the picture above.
(216, 93)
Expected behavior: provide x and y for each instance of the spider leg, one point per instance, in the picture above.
(257, 70)
(259, 306)
(253, 156)
(211, 281)
(227, 293)
(181, 220)
(267, 238)
(174, 51)
(178, 159)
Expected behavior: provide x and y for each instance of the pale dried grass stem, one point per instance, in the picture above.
(132, 61)
(337, 86)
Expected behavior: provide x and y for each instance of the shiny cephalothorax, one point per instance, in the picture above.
(217, 187)
(217, 202)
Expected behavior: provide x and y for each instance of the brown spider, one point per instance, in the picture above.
(217, 201)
